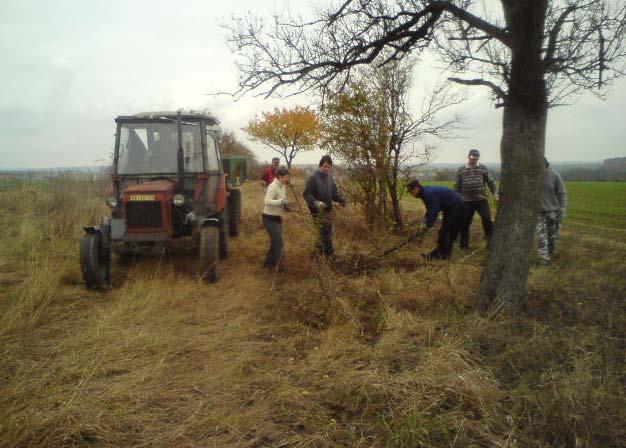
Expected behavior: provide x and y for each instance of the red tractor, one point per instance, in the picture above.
(170, 187)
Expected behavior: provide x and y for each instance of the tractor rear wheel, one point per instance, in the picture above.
(234, 210)
(209, 254)
(95, 262)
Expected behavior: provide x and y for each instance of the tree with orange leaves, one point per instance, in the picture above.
(286, 131)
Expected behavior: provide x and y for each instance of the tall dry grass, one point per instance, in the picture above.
(41, 224)
(321, 355)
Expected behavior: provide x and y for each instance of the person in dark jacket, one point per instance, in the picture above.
(320, 192)
(470, 183)
(440, 199)
(552, 211)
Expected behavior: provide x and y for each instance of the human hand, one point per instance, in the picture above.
(285, 205)
(421, 232)
(321, 206)
(496, 197)
(562, 213)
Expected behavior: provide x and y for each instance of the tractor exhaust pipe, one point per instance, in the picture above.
(180, 154)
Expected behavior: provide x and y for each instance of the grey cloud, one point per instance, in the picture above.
(70, 66)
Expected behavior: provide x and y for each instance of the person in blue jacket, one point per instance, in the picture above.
(450, 203)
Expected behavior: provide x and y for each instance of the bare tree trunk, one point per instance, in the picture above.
(394, 193)
(395, 205)
(503, 282)
(382, 195)
(504, 278)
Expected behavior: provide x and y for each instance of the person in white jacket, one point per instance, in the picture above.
(275, 204)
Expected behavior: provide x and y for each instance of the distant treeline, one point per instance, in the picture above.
(613, 170)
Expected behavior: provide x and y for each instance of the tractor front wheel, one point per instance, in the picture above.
(209, 253)
(95, 262)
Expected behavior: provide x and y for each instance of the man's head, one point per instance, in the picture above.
(325, 163)
(473, 156)
(414, 187)
(275, 163)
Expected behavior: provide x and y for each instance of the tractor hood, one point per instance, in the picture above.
(160, 186)
(148, 207)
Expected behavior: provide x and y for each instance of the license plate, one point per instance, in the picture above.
(141, 197)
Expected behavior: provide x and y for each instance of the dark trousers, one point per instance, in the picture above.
(482, 207)
(274, 229)
(325, 243)
(451, 224)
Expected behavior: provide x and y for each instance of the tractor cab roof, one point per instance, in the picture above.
(167, 116)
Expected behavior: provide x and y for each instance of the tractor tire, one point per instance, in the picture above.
(95, 262)
(234, 209)
(224, 229)
(209, 254)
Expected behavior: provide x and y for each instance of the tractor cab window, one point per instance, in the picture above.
(151, 148)
(212, 154)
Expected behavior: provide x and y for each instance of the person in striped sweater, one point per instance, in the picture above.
(471, 180)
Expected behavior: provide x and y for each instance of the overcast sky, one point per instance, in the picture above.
(70, 66)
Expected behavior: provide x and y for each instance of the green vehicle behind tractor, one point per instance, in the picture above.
(170, 188)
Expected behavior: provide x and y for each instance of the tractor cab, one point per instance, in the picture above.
(169, 187)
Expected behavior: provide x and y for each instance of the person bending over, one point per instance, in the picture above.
(449, 202)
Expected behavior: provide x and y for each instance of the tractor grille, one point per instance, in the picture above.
(143, 214)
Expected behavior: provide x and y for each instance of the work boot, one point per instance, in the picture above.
(434, 255)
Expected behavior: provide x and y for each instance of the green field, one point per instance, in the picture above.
(600, 204)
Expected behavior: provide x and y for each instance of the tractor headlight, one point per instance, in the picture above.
(179, 200)
(111, 201)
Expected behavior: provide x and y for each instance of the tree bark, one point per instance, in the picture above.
(503, 282)
(394, 194)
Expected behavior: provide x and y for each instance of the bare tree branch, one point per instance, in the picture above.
(497, 91)
(582, 44)
(554, 34)
(478, 23)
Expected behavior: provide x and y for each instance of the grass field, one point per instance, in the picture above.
(317, 356)
(600, 204)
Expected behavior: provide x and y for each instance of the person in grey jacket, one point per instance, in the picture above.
(275, 204)
(552, 210)
(320, 192)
